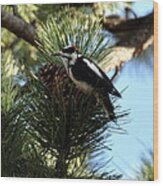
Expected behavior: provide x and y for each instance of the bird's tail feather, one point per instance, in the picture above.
(115, 92)
(108, 106)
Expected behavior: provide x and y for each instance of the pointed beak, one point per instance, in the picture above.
(57, 54)
(61, 54)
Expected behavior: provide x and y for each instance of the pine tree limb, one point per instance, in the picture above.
(134, 36)
(122, 25)
(19, 27)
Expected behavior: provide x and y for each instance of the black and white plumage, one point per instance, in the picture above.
(88, 77)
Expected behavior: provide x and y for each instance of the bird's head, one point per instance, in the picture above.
(68, 52)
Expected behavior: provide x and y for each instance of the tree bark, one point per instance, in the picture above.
(19, 27)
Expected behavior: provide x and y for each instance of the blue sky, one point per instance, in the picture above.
(143, 7)
(128, 149)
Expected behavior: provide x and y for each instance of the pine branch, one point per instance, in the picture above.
(119, 25)
(134, 36)
(19, 27)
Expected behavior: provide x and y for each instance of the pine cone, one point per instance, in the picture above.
(55, 78)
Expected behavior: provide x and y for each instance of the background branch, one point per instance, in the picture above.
(19, 27)
(133, 35)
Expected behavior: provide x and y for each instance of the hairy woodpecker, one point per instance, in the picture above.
(88, 77)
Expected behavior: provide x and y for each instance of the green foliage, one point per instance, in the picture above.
(22, 11)
(96, 10)
(146, 172)
(76, 29)
(61, 130)
(12, 130)
(69, 26)
(18, 48)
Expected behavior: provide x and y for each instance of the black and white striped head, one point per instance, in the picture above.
(69, 52)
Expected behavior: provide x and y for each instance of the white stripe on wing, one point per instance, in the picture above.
(93, 67)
